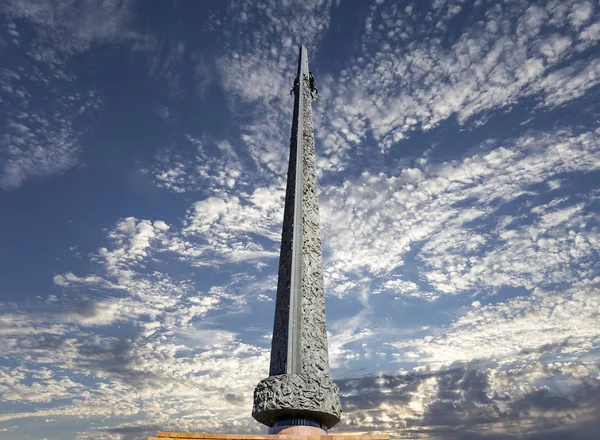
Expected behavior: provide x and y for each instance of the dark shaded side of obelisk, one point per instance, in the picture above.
(299, 387)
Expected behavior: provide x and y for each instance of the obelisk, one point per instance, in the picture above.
(299, 391)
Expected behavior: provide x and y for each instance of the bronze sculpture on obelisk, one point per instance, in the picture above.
(299, 390)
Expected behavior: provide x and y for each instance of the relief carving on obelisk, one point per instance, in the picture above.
(315, 358)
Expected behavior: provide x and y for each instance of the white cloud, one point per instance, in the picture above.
(41, 391)
(40, 139)
(525, 327)
(580, 13)
(67, 358)
(90, 23)
(386, 88)
(208, 167)
(591, 33)
(43, 105)
(229, 224)
(570, 82)
(373, 221)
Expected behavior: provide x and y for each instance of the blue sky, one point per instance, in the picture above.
(143, 154)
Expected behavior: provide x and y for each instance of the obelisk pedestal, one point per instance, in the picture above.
(200, 436)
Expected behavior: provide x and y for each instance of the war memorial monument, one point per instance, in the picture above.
(298, 400)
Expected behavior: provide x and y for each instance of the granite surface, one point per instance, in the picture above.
(299, 384)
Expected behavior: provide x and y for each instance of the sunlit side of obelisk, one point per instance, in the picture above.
(299, 391)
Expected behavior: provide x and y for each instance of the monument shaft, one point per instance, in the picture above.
(299, 388)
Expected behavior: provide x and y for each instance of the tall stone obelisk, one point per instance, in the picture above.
(299, 391)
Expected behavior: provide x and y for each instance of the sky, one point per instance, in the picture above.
(143, 158)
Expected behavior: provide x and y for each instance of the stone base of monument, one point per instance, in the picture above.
(296, 434)
(296, 430)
